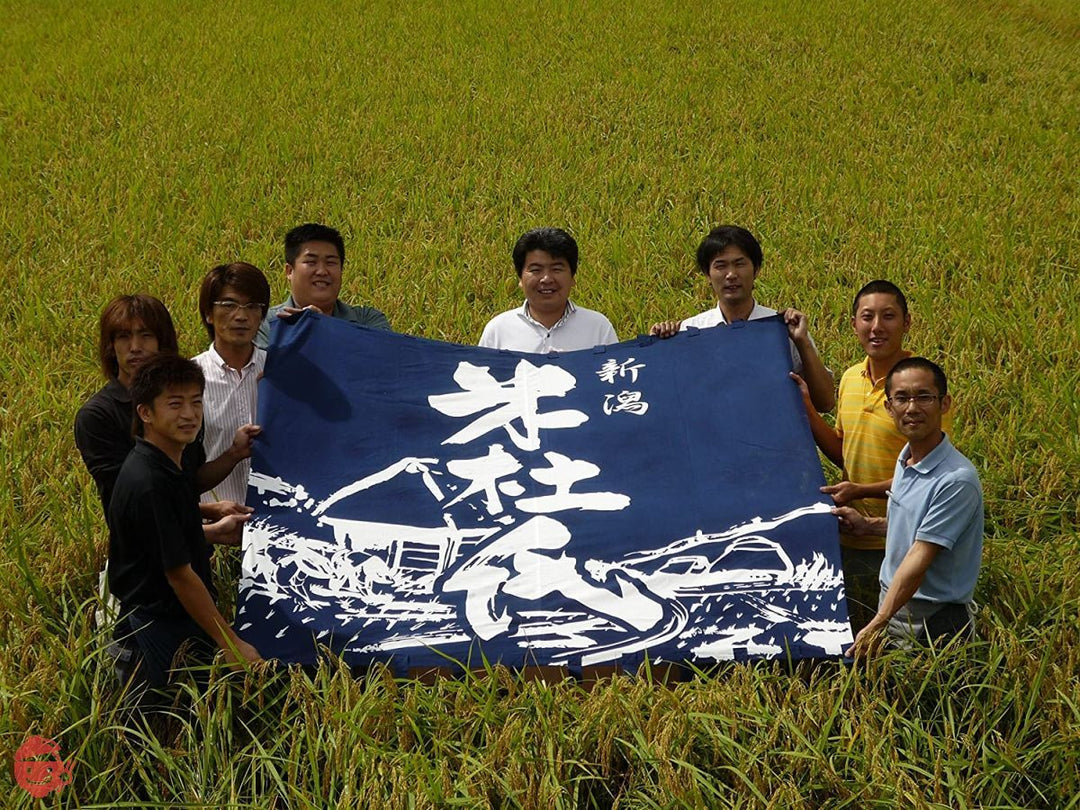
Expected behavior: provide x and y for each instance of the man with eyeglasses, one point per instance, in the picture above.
(864, 443)
(233, 301)
(933, 526)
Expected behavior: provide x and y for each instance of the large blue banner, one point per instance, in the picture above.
(424, 503)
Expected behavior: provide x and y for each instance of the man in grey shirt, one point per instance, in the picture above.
(934, 525)
(314, 258)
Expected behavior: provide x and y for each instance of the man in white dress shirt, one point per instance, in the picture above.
(731, 258)
(546, 261)
(232, 304)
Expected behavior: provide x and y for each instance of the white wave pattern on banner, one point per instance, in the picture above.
(405, 574)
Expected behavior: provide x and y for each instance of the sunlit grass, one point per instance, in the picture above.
(932, 144)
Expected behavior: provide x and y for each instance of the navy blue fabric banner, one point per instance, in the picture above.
(425, 503)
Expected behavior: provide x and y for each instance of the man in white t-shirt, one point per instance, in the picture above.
(233, 301)
(731, 258)
(546, 261)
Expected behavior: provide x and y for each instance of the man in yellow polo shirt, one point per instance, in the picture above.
(865, 442)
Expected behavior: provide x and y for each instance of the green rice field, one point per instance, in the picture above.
(935, 144)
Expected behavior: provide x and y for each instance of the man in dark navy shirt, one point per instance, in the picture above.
(160, 564)
(133, 328)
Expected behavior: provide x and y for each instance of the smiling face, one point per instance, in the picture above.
(880, 325)
(732, 274)
(236, 328)
(546, 281)
(315, 276)
(133, 346)
(173, 419)
(919, 422)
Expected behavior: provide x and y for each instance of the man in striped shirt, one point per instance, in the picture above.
(233, 301)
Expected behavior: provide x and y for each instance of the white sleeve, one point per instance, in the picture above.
(487, 337)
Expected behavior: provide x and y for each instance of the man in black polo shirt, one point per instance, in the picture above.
(159, 562)
(132, 329)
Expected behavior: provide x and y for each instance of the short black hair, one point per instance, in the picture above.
(312, 232)
(247, 278)
(880, 286)
(159, 373)
(553, 241)
(719, 238)
(919, 362)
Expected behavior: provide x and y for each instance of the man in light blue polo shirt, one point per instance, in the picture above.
(934, 524)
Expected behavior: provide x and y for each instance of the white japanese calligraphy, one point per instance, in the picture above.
(628, 401)
(484, 474)
(515, 400)
(611, 369)
(530, 562)
(563, 474)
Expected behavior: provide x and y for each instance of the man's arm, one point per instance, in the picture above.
(228, 530)
(907, 580)
(825, 436)
(818, 378)
(192, 593)
(831, 443)
(212, 473)
(376, 319)
(102, 448)
(856, 523)
(847, 491)
(216, 510)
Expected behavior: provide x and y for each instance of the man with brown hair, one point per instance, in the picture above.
(132, 329)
